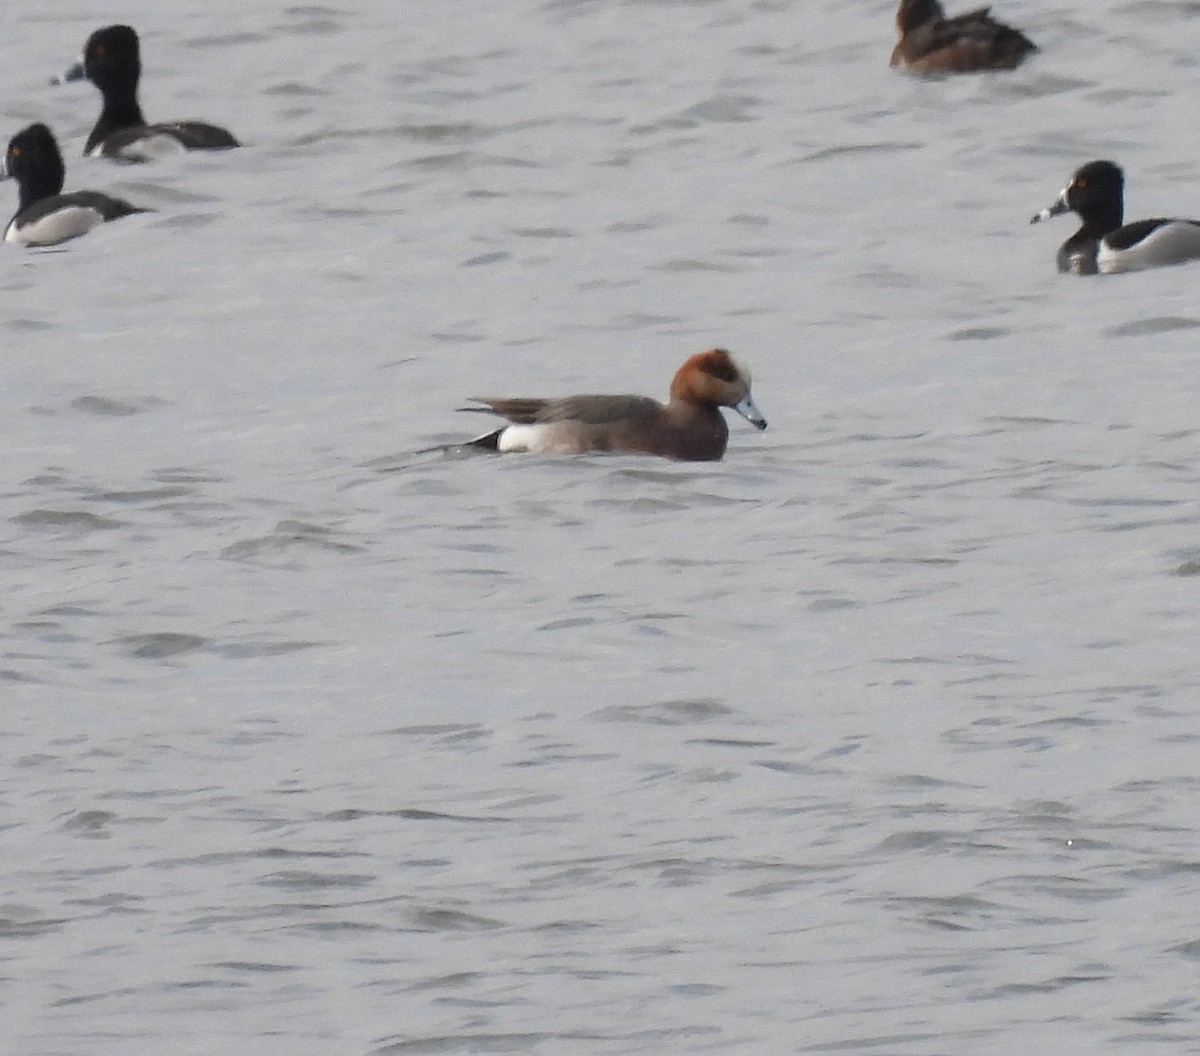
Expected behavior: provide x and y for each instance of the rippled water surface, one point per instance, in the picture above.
(878, 736)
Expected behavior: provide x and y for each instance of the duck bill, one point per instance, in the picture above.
(745, 407)
(72, 73)
(1060, 206)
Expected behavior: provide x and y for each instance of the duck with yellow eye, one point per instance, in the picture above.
(112, 62)
(1096, 193)
(45, 216)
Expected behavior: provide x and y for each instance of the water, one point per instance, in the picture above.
(878, 736)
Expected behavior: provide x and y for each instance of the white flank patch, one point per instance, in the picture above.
(68, 222)
(520, 438)
(153, 147)
(1165, 245)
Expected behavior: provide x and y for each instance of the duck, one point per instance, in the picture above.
(689, 427)
(45, 216)
(1102, 245)
(111, 60)
(932, 43)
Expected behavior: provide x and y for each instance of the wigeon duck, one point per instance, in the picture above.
(112, 62)
(932, 43)
(689, 427)
(1096, 193)
(44, 215)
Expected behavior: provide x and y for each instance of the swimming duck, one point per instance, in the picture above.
(1096, 193)
(112, 62)
(688, 427)
(932, 43)
(45, 216)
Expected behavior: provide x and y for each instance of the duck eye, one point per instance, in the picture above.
(14, 152)
(98, 50)
(1081, 184)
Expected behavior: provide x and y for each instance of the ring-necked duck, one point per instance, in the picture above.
(689, 427)
(932, 43)
(112, 62)
(45, 216)
(1096, 193)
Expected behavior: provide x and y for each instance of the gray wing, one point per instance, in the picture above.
(590, 410)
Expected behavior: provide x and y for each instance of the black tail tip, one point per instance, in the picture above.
(487, 442)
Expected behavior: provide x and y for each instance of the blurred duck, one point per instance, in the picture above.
(1096, 193)
(689, 427)
(112, 62)
(932, 43)
(45, 216)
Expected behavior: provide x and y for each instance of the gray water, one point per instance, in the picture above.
(879, 736)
